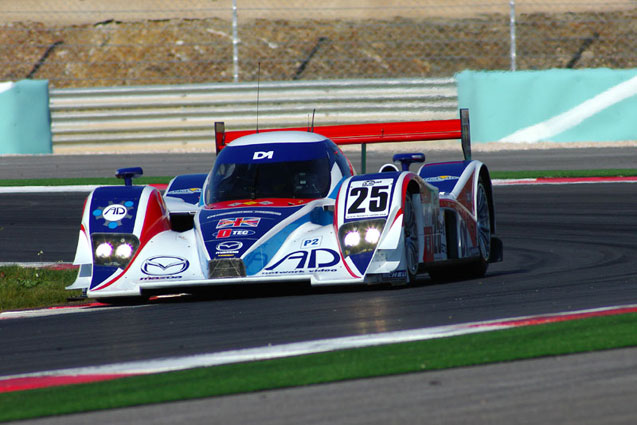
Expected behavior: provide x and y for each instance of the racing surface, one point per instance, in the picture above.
(567, 247)
(565, 250)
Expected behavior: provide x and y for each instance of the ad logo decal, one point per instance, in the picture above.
(113, 214)
(308, 259)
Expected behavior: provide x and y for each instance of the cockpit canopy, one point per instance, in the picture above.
(277, 165)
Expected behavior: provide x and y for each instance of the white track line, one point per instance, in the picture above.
(47, 189)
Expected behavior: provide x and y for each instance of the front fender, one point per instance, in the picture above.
(372, 203)
(134, 213)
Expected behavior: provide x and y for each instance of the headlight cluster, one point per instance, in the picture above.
(360, 236)
(113, 249)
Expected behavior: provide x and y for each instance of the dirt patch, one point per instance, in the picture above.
(79, 12)
(308, 44)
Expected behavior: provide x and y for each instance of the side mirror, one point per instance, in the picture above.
(128, 174)
(406, 159)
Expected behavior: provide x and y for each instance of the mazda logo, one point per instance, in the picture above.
(164, 266)
(229, 246)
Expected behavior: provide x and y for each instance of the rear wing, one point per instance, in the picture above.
(348, 134)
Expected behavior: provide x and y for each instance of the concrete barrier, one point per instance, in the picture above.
(588, 105)
(25, 122)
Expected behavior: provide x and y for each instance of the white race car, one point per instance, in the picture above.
(286, 205)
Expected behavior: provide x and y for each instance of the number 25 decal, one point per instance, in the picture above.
(368, 199)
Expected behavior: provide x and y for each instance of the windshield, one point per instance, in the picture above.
(293, 179)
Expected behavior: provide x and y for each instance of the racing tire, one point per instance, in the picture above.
(479, 267)
(410, 232)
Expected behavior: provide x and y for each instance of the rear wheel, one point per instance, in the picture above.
(410, 231)
(479, 267)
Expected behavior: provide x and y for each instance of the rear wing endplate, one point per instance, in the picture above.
(348, 134)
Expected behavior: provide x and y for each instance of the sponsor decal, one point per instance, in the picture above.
(239, 222)
(371, 182)
(226, 233)
(147, 278)
(299, 272)
(229, 246)
(221, 214)
(113, 214)
(395, 275)
(263, 155)
(185, 191)
(319, 258)
(441, 178)
(251, 203)
(164, 266)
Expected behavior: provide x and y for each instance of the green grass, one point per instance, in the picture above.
(164, 180)
(27, 287)
(499, 346)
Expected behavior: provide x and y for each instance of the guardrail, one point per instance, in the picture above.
(186, 113)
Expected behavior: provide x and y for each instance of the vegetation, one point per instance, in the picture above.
(30, 287)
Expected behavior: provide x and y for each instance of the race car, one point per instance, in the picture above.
(285, 205)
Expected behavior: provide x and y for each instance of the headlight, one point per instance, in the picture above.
(113, 249)
(360, 236)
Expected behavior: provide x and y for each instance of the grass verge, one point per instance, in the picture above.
(27, 287)
(515, 344)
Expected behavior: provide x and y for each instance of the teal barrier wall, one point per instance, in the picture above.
(25, 121)
(553, 105)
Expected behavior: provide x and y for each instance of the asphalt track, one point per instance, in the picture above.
(161, 164)
(566, 248)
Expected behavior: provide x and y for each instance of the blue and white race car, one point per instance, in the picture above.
(286, 205)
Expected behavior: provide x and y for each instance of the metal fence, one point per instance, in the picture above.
(186, 113)
(96, 43)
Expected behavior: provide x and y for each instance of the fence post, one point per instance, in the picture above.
(235, 42)
(512, 32)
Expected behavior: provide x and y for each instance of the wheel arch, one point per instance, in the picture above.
(488, 187)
